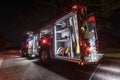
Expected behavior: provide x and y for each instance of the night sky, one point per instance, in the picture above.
(19, 16)
(115, 29)
(10, 13)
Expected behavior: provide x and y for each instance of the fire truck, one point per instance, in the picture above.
(30, 46)
(70, 37)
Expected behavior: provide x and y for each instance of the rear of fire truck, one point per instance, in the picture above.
(71, 37)
(30, 47)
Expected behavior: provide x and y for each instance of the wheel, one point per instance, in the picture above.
(45, 56)
(24, 54)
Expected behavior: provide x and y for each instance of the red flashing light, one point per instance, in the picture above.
(75, 7)
(91, 18)
(44, 41)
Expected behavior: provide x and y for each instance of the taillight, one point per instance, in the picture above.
(27, 45)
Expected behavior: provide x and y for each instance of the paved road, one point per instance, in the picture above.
(13, 67)
(17, 68)
(109, 69)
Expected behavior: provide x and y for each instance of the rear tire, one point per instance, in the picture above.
(24, 54)
(45, 56)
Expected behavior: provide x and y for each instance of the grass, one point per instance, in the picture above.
(9, 51)
(111, 52)
(114, 55)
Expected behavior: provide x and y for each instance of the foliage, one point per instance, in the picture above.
(103, 9)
